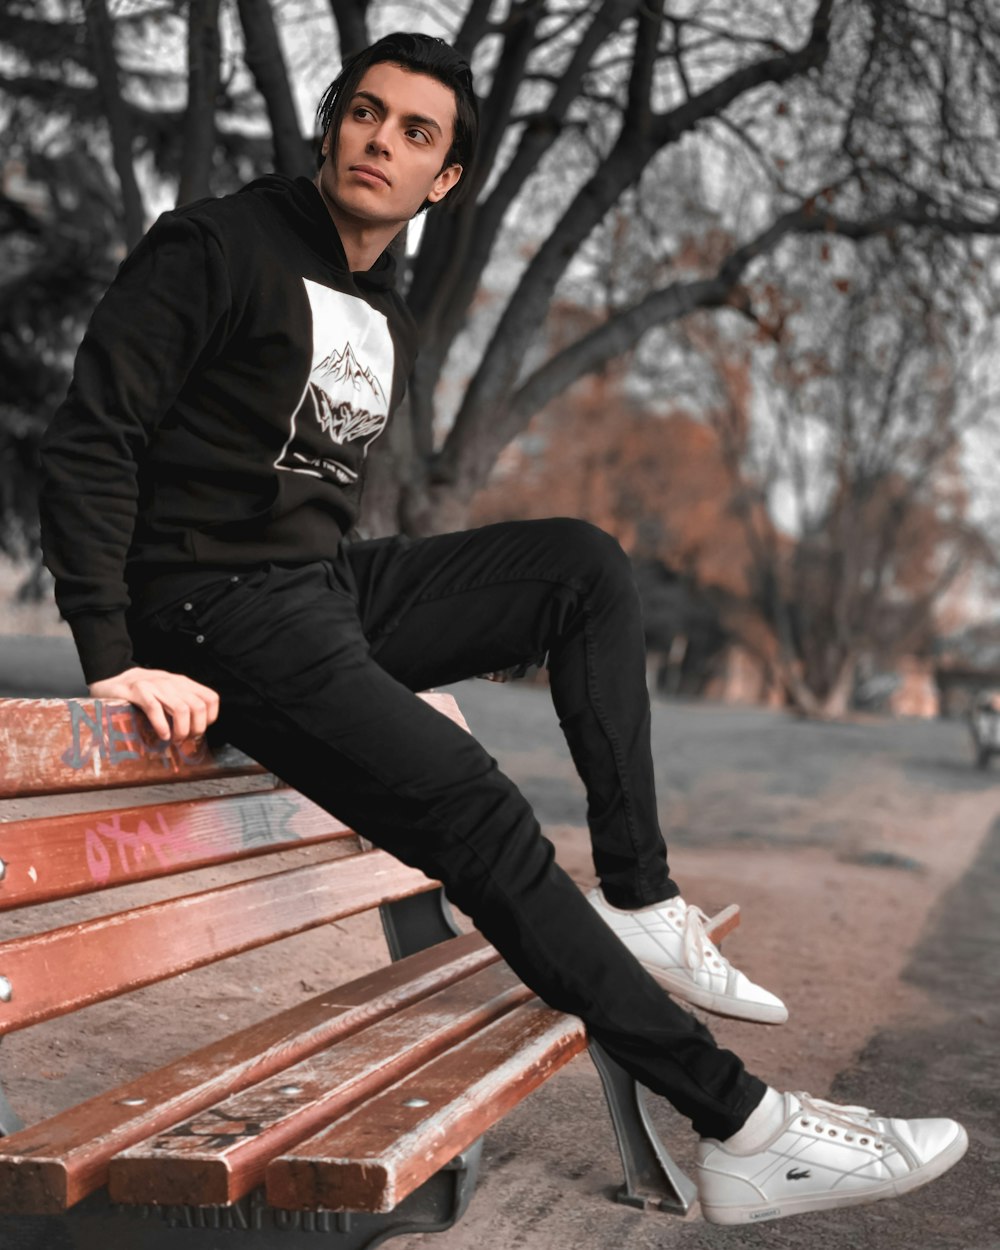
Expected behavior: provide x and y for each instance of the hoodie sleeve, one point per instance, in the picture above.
(167, 306)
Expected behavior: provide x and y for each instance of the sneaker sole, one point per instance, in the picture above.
(718, 1004)
(760, 1212)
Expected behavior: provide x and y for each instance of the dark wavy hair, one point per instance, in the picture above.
(422, 54)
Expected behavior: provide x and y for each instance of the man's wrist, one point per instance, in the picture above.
(103, 644)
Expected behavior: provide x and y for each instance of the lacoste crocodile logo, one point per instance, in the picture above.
(793, 1175)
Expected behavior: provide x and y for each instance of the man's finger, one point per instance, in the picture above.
(180, 714)
(204, 701)
(199, 718)
(209, 702)
(176, 708)
(205, 692)
(153, 710)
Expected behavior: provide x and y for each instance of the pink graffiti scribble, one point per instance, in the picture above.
(133, 847)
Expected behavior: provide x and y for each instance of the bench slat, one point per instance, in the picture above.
(49, 974)
(377, 1154)
(58, 746)
(220, 1155)
(50, 858)
(48, 1167)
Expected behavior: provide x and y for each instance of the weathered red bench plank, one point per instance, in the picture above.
(55, 746)
(380, 1113)
(49, 1166)
(220, 1155)
(49, 974)
(50, 858)
(377, 1154)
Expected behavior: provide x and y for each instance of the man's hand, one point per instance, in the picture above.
(176, 706)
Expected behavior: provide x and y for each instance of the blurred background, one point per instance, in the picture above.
(728, 287)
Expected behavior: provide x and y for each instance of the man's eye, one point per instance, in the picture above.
(419, 135)
(361, 112)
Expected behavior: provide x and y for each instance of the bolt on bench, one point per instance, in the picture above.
(359, 1112)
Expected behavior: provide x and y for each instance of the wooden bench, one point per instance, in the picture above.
(359, 1111)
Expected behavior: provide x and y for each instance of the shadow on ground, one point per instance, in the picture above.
(948, 1067)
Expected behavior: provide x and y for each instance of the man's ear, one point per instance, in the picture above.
(325, 145)
(444, 182)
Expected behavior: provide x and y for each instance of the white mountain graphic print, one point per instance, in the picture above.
(343, 367)
(345, 405)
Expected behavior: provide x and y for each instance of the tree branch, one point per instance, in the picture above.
(266, 62)
(778, 69)
(639, 106)
(622, 331)
(477, 434)
(100, 37)
(351, 17)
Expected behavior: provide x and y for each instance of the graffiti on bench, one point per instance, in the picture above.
(117, 849)
(113, 733)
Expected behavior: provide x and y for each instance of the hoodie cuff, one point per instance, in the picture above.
(103, 644)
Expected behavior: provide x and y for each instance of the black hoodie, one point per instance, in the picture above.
(222, 404)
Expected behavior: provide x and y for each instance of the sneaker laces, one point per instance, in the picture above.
(851, 1118)
(697, 943)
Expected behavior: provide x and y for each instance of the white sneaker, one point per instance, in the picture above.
(671, 942)
(824, 1155)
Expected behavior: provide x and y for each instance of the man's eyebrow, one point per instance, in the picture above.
(413, 119)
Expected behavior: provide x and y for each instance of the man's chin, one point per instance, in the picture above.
(365, 210)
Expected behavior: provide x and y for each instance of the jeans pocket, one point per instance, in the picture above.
(211, 606)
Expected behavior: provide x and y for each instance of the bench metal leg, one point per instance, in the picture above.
(652, 1178)
(415, 923)
(10, 1121)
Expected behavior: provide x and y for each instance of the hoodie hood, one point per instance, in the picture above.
(299, 202)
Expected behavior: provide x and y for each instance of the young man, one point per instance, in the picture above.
(200, 480)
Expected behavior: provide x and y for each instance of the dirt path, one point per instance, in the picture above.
(839, 842)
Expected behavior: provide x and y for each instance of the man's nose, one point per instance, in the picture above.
(378, 142)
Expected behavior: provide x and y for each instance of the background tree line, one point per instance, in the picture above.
(775, 217)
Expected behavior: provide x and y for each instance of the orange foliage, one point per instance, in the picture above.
(658, 483)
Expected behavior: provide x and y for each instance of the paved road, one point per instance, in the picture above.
(39, 667)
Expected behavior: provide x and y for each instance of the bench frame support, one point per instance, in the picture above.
(652, 1178)
(10, 1121)
(410, 925)
(96, 1223)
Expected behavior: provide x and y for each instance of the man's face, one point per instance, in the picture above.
(395, 135)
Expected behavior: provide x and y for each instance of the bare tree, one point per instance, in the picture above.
(855, 121)
(266, 61)
(846, 470)
(863, 119)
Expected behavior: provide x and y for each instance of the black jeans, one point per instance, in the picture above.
(317, 666)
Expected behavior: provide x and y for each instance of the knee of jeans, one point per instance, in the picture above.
(595, 556)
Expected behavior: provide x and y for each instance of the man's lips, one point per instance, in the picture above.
(370, 171)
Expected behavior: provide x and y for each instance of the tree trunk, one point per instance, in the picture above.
(203, 90)
(837, 701)
(387, 470)
(265, 60)
(351, 17)
(100, 37)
